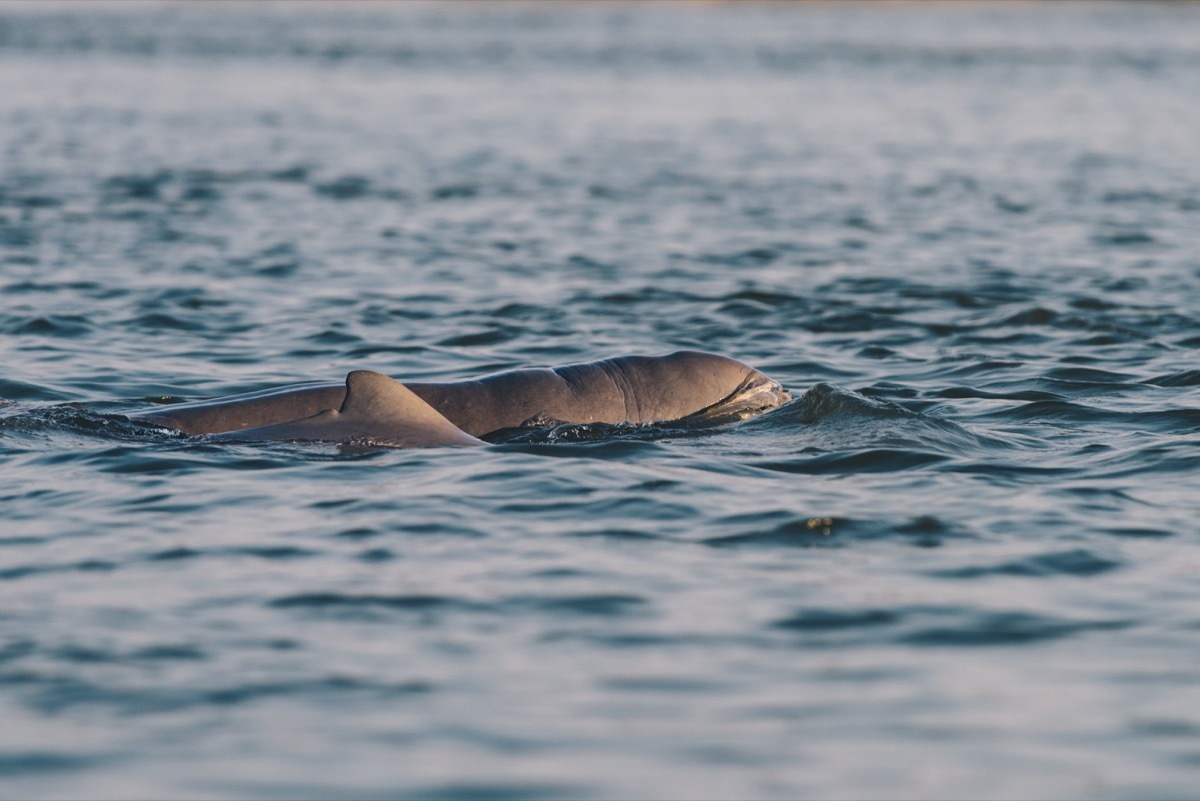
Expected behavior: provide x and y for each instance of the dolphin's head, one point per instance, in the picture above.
(754, 394)
(693, 384)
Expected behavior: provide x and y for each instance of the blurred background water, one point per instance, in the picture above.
(962, 563)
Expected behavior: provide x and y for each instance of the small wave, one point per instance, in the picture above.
(11, 391)
(857, 429)
(1125, 237)
(347, 187)
(832, 620)
(58, 326)
(598, 440)
(1004, 628)
(597, 605)
(368, 607)
(931, 627)
(871, 460)
(53, 694)
(822, 532)
(15, 763)
(324, 600)
(499, 790)
(75, 418)
(86, 566)
(1078, 562)
(588, 605)
(272, 553)
(1176, 421)
(1183, 378)
(1089, 376)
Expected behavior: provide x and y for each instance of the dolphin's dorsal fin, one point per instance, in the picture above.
(390, 412)
(368, 393)
(375, 411)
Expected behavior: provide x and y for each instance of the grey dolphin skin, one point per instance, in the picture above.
(372, 407)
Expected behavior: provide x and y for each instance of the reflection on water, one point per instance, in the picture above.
(956, 564)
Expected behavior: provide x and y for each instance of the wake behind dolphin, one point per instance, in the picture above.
(373, 408)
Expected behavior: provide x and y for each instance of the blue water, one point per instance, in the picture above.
(962, 562)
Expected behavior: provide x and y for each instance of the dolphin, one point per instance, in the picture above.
(626, 389)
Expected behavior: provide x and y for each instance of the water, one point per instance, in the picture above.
(962, 562)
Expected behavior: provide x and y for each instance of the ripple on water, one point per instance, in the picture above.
(807, 532)
(348, 605)
(933, 627)
(1076, 562)
(984, 629)
(16, 763)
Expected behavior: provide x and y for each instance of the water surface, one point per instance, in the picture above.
(961, 563)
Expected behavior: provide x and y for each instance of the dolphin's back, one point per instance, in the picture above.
(251, 410)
